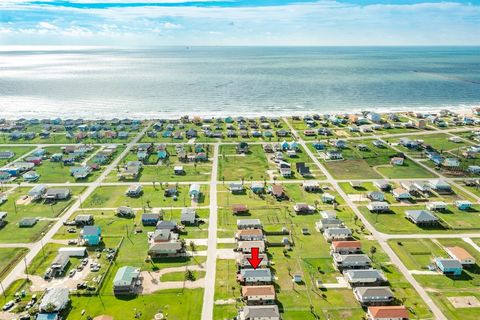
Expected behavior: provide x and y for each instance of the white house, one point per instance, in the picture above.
(378, 206)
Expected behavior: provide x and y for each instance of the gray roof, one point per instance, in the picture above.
(57, 191)
(148, 216)
(261, 312)
(331, 221)
(55, 296)
(352, 258)
(166, 224)
(450, 263)
(366, 292)
(256, 273)
(161, 234)
(166, 246)
(61, 259)
(84, 217)
(421, 215)
(336, 231)
(365, 274)
(248, 222)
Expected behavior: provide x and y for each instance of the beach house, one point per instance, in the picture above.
(194, 191)
(462, 255)
(421, 217)
(373, 295)
(255, 295)
(126, 280)
(91, 235)
(262, 312)
(387, 313)
(449, 266)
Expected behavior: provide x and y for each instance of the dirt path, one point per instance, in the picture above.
(151, 280)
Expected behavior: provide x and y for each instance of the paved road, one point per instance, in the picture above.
(211, 265)
(36, 247)
(380, 237)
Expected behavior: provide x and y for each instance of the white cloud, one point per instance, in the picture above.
(313, 23)
(170, 25)
(47, 25)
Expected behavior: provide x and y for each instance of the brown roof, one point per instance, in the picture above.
(258, 290)
(388, 312)
(460, 253)
(277, 189)
(239, 207)
(250, 232)
(347, 244)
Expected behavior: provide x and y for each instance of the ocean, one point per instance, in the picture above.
(216, 81)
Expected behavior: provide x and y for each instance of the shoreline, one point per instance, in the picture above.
(155, 115)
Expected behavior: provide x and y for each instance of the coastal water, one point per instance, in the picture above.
(167, 82)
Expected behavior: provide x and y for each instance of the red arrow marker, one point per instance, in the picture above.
(254, 260)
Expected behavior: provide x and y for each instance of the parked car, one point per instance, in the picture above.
(72, 273)
(8, 305)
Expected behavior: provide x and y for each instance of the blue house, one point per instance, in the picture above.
(463, 204)
(319, 145)
(162, 154)
(56, 157)
(12, 171)
(5, 176)
(194, 192)
(123, 135)
(142, 155)
(91, 235)
(150, 219)
(31, 176)
(39, 153)
(449, 266)
(257, 187)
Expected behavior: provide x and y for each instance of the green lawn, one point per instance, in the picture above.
(175, 304)
(441, 300)
(45, 212)
(8, 258)
(180, 276)
(114, 226)
(114, 196)
(236, 167)
(416, 254)
(373, 163)
(19, 151)
(439, 141)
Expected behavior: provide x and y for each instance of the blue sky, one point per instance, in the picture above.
(131, 23)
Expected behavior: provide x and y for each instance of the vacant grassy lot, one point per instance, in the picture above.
(252, 166)
(8, 258)
(441, 299)
(416, 254)
(395, 221)
(176, 304)
(373, 163)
